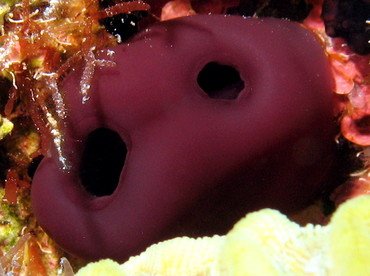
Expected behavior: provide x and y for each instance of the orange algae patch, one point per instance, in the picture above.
(40, 42)
(176, 8)
(33, 258)
(179, 8)
(11, 186)
(124, 7)
(33, 45)
(24, 258)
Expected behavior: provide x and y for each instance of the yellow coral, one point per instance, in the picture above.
(104, 267)
(349, 238)
(179, 256)
(6, 126)
(263, 243)
(267, 243)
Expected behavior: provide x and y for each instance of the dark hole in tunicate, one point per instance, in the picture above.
(220, 81)
(102, 161)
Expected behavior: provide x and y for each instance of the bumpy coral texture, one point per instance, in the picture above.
(263, 243)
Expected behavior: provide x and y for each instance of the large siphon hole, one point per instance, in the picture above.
(220, 81)
(102, 162)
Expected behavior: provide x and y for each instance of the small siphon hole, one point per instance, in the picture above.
(220, 81)
(102, 161)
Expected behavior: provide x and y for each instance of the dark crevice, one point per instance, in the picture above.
(220, 81)
(34, 165)
(348, 19)
(122, 26)
(102, 161)
(295, 10)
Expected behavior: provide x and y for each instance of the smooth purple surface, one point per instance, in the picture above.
(195, 165)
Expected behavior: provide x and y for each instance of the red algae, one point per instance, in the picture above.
(125, 7)
(24, 258)
(11, 184)
(351, 73)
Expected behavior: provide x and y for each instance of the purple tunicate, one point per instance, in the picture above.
(219, 115)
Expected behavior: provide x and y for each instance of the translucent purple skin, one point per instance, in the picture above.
(195, 164)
